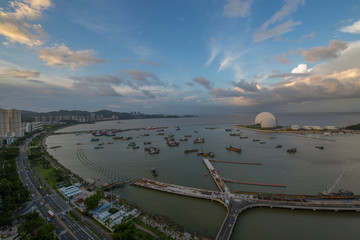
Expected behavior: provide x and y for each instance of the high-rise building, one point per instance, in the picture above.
(10, 122)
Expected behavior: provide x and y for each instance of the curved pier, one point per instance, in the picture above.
(236, 203)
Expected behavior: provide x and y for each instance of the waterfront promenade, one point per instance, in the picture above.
(237, 202)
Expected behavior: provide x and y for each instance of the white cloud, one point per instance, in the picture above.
(301, 68)
(15, 26)
(62, 56)
(264, 32)
(324, 53)
(336, 79)
(19, 73)
(354, 28)
(237, 8)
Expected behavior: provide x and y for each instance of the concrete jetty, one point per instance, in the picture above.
(237, 202)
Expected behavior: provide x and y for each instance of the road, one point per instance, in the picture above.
(65, 226)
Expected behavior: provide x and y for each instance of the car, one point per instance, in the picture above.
(48, 219)
(63, 216)
(41, 203)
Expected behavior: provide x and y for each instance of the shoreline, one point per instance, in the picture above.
(159, 222)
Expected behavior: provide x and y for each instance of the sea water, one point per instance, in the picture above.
(309, 171)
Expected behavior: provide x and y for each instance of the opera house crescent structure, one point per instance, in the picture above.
(266, 120)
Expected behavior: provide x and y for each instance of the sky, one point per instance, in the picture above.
(180, 57)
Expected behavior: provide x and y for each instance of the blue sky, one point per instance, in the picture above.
(180, 57)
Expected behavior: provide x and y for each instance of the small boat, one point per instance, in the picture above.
(187, 136)
(135, 147)
(191, 150)
(145, 135)
(231, 148)
(210, 154)
(320, 147)
(199, 140)
(110, 143)
(100, 144)
(132, 144)
(278, 146)
(153, 172)
(152, 150)
(172, 143)
(291, 150)
(228, 130)
(234, 134)
(117, 137)
(183, 139)
(262, 142)
(98, 147)
(160, 133)
(94, 140)
(79, 144)
(195, 131)
(271, 137)
(205, 174)
(243, 137)
(147, 143)
(256, 140)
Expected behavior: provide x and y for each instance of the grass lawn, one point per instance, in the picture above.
(47, 173)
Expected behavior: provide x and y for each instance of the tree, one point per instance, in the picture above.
(93, 201)
(35, 228)
(124, 231)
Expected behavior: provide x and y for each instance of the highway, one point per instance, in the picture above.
(65, 226)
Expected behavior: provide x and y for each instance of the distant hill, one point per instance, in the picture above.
(29, 116)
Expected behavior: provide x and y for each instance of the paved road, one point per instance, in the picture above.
(65, 226)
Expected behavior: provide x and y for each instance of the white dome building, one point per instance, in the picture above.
(266, 120)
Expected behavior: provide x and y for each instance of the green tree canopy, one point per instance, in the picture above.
(124, 231)
(35, 228)
(93, 201)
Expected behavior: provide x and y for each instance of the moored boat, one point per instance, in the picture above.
(98, 147)
(147, 143)
(94, 140)
(183, 139)
(153, 172)
(231, 148)
(199, 140)
(191, 150)
(172, 143)
(291, 150)
(234, 134)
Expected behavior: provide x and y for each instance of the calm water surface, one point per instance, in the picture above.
(309, 171)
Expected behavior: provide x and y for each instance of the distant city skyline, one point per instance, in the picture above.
(176, 57)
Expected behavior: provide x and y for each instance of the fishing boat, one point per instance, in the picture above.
(234, 134)
(207, 155)
(147, 143)
(98, 147)
(183, 139)
(152, 150)
(228, 130)
(135, 147)
(153, 172)
(188, 136)
(132, 144)
(278, 146)
(199, 140)
(262, 142)
(243, 137)
(117, 137)
(291, 150)
(191, 150)
(145, 135)
(94, 140)
(172, 143)
(231, 148)
(320, 147)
